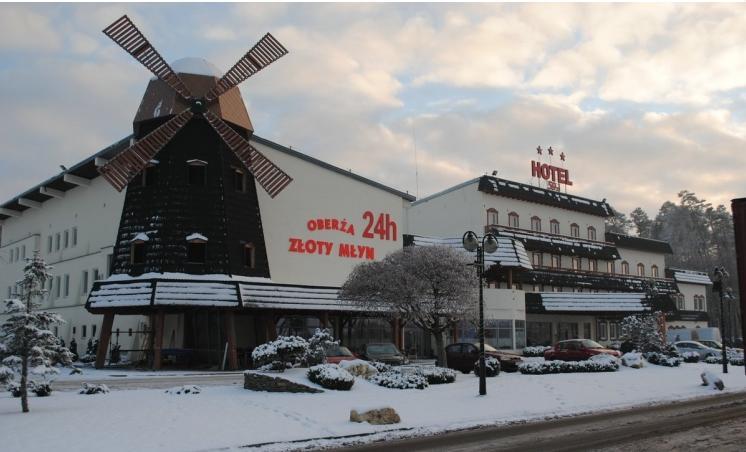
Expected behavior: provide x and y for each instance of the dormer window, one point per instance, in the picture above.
(491, 217)
(536, 224)
(239, 180)
(591, 233)
(554, 227)
(197, 173)
(137, 248)
(654, 271)
(513, 220)
(574, 230)
(249, 255)
(640, 270)
(196, 248)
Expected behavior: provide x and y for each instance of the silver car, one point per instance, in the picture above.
(697, 347)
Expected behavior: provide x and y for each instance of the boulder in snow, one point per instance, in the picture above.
(380, 416)
(359, 368)
(632, 359)
(710, 379)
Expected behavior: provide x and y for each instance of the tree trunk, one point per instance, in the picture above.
(440, 351)
(24, 383)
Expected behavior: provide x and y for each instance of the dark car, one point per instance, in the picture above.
(577, 350)
(384, 352)
(461, 356)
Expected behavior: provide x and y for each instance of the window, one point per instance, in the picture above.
(239, 181)
(73, 331)
(593, 265)
(536, 259)
(611, 267)
(23, 252)
(614, 330)
(57, 287)
(625, 268)
(93, 330)
(591, 233)
(67, 238)
(536, 224)
(680, 302)
(196, 249)
(575, 263)
(49, 244)
(57, 241)
(75, 236)
(148, 175)
(654, 271)
(556, 261)
(96, 274)
(513, 220)
(67, 285)
(491, 217)
(640, 270)
(197, 173)
(137, 252)
(520, 333)
(601, 334)
(554, 227)
(83, 331)
(574, 230)
(587, 330)
(84, 283)
(249, 255)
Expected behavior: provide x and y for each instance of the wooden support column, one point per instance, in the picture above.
(324, 319)
(158, 339)
(510, 278)
(338, 327)
(271, 325)
(103, 339)
(229, 329)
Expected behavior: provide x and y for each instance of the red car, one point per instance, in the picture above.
(577, 350)
(338, 353)
(462, 356)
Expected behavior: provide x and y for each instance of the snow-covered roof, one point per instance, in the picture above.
(590, 302)
(559, 244)
(691, 277)
(196, 236)
(509, 253)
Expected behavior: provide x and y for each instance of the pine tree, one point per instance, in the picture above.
(644, 332)
(26, 343)
(643, 224)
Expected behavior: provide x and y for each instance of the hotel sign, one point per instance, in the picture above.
(553, 175)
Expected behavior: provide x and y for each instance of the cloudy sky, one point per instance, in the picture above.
(645, 100)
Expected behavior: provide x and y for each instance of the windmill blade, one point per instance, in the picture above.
(126, 34)
(272, 179)
(120, 170)
(265, 52)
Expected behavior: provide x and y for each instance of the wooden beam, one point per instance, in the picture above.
(104, 338)
(10, 212)
(52, 192)
(158, 339)
(100, 161)
(76, 180)
(229, 327)
(29, 203)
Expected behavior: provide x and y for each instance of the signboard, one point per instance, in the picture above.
(554, 176)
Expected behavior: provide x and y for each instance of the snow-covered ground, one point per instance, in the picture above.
(230, 416)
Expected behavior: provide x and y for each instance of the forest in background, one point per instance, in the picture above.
(701, 236)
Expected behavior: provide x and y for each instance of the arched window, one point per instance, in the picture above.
(640, 270)
(249, 256)
(575, 263)
(574, 230)
(554, 227)
(491, 217)
(591, 233)
(680, 302)
(196, 248)
(537, 259)
(625, 268)
(610, 267)
(513, 220)
(197, 176)
(654, 271)
(536, 224)
(593, 265)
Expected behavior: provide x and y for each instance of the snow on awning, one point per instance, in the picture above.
(141, 237)
(691, 277)
(509, 253)
(586, 302)
(283, 296)
(196, 236)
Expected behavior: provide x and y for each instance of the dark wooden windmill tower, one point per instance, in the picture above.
(191, 204)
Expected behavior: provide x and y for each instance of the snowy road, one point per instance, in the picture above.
(713, 422)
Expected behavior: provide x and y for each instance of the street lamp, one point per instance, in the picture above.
(488, 245)
(720, 274)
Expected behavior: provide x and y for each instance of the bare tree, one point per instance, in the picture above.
(432, 287)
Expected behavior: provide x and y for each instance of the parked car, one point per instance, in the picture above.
(337, 353)
(719, 346)
(697, 347)
(577, 350)
(385, 352)
(462, 355)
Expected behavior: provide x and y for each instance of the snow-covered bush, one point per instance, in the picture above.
(186, 389)
(359, 368)
(331, 376)
(14, 389)
(395, 379)
(438, 375)
(491, 367)
(632, 359)
(660, 359)
(93, 388)
(535, 351)
(41, 389)
(690, 357)
(644, 331)
(315, 353)
(380, 367)
(737, 361)
(280, 354)
(555, 367)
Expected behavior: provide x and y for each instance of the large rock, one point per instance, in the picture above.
(260, 382)
(710, 379)
(378, 416)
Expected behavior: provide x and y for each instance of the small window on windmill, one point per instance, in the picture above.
(148, 175)
(249, 255)
(197, 173)
(196, 248)
(137, 249)
(239, 180)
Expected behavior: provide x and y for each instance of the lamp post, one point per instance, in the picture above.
(487, 245)
(720, 274)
